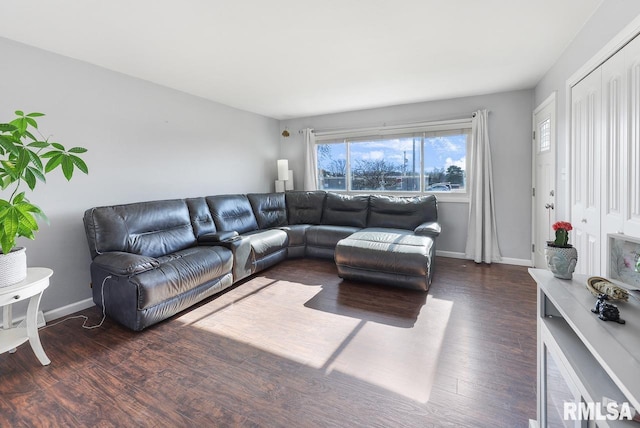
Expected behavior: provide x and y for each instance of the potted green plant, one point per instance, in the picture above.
(561, 256)
(25, 159)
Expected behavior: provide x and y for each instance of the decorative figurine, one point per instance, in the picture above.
(607, 311)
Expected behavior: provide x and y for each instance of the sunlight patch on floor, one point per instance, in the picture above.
(317, 334)
(379, 354)
(382, 354)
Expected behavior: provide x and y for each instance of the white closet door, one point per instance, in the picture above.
(585, 171)
(614, 143)
(632, 153)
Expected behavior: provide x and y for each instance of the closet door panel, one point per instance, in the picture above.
(588, 246)
(614, 143)
(632, 150)
(586, 149)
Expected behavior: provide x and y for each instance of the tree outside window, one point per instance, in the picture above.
(395, 164)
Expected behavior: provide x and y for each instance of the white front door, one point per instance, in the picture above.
(544, 180)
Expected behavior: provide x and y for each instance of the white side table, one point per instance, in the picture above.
(32, 287)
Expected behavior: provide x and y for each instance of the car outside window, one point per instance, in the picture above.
(427, 162)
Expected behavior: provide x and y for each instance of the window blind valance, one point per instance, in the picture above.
(401, 131)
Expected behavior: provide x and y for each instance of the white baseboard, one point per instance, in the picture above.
(21, 321)
(533, 424)
(517, 262)
(68, 309)
(53, 314)
(505, 260)
(87, 303)
(450, 254)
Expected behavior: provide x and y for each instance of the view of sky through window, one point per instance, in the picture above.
(395, 164)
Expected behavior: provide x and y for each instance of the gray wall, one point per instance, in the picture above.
(610, 18)
(510, 136)
(148, 142)
(145, 142)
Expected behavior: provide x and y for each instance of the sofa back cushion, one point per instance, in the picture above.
(232, 212)
(401, 212)
(269, 209)
(201, 218)
(304, 207)
(345, 210)
(150, 229)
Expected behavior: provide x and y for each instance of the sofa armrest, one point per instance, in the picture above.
(240, 246)
(217, 237)
(121, 263)
(431, 228)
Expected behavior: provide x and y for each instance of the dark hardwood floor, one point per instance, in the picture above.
(296, 346)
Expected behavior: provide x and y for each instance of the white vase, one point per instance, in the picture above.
(561, 261)
(13, 267)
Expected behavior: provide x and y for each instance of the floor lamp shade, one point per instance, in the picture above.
(283, 169)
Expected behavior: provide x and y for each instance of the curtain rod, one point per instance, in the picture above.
(384, 126)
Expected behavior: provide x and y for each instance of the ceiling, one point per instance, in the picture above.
(296, 58)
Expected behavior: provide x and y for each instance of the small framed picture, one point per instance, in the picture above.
(624, 265)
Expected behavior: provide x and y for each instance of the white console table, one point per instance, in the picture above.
(31, 288)
(580, 357)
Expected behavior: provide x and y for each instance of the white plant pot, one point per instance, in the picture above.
(561, 260)
(13, 267)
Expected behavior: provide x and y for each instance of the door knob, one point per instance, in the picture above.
(547, 206)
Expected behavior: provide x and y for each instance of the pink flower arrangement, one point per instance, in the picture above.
(562, 229)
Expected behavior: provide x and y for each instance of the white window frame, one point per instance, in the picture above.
(426, 128)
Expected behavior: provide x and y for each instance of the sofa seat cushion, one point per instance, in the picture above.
(389, 256)
(297, 234)
(327, 235)
(266, 242)
(297, 239)
(124, 264)
(180, 272)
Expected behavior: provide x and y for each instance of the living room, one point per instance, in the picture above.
(147, 141)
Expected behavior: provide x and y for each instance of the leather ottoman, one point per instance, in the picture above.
(394, 257)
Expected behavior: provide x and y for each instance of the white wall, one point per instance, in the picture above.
(510, 135)
(610, 18)
(145, 142)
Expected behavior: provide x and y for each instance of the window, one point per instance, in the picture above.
(429, 161)
(544, 130)
(445, 166)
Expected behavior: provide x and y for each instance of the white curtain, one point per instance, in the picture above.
(482, 237)
(310, 165)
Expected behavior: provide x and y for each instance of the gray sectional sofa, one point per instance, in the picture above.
(151, 260)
